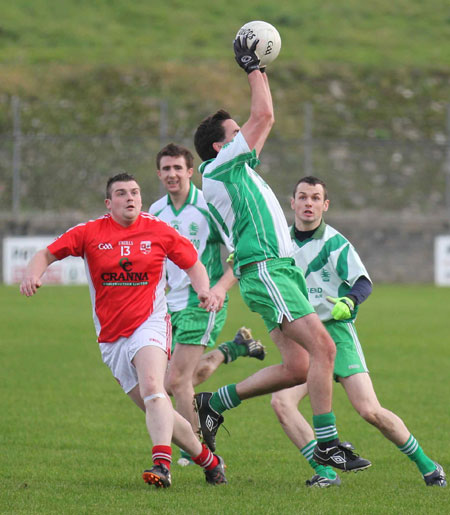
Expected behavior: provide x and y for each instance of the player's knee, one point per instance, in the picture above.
(281, 406)
(294, 374)
(175, 382)
(149, 386)
(369, 414)
(326, 347)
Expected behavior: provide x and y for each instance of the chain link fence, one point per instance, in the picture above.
(390, 196)
(56, 169)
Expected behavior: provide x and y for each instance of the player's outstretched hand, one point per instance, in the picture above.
(29, 286)
(343, 307)
(246, 57)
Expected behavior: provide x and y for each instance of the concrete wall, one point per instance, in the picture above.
(394, 247)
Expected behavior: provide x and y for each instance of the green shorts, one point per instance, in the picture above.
(195, 326)
(349, 354)
(275, 289)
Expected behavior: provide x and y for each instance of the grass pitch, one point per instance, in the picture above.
(71, 442)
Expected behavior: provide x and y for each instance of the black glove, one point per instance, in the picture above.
(246, 57)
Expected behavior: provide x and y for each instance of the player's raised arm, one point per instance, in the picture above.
(35, 270)
(259, 124)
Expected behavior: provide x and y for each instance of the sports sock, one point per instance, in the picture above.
(162, 454)
(231, 351)
(225, 398)
(206, 459)
(321, 470)
(325, 428)
(415, 453)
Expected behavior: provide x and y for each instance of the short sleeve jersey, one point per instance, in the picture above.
(193, 221)
(331, 266)
(125, 267)
(244, 205)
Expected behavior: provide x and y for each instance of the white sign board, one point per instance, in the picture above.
(17, 252)
(442, 260)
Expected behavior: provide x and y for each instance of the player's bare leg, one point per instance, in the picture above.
(179, 379)
(243, 344)
(292, 371)
(208, 364)
(285, 405)
(162, 420)
(310, 333)
(360, 391)
(151, 363)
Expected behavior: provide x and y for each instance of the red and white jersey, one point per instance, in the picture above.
(125, 267)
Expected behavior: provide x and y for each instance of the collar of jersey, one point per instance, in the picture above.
(191, 199)
(318, 233)
(202, 167)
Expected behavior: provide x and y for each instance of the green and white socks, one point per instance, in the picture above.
(232, 350)
(325, 427)
(415, 453)
(225, 398)
(321, 470)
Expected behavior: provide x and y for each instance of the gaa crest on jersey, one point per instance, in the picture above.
(145, 247)
(193, 229)
(175, 224)
(325, 275)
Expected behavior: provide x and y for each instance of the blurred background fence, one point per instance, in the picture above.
(62, 166)
(50, 167)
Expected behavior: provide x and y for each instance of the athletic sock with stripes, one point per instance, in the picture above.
(232, 351)
(162, 454)
(415, 453)
(206, 459)
(225, 398)
(321, 470)
(325, 429)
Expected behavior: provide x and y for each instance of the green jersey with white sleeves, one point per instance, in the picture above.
(193, 221)
(244, 206)
(331, 266)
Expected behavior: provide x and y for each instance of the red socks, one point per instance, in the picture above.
(162, 454)
(206, 459)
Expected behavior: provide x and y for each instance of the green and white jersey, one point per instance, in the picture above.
(331, 266)
(193, 221)
(244, 206)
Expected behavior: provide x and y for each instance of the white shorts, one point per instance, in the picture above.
(118, 356)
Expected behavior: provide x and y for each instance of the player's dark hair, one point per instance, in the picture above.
(120, 177)
(173, 150)
(208, 132)
(313, 181)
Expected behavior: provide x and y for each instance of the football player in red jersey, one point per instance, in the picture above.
(125, 253)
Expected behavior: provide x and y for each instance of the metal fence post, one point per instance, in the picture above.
(17, 143)
(447, 165)
(308, 138)
(163, 131)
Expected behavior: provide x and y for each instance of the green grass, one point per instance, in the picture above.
(379, 33)
(71, 442)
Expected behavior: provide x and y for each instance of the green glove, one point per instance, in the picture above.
(230, 259)
(343, 307)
